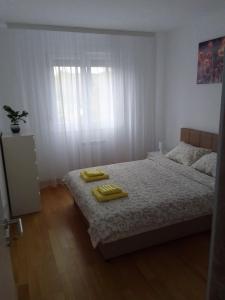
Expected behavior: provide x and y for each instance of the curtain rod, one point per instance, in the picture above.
(13, 25)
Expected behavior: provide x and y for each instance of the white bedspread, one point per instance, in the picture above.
(161, 193)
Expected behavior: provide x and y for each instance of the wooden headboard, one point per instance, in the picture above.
(199, 138)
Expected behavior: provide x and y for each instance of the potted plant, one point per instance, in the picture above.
(15, 117)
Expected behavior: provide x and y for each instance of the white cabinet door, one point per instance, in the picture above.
(22, 174)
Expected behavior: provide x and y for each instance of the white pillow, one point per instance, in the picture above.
(207, 164)
(186, 154)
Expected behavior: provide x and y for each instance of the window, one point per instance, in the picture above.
(84, 97)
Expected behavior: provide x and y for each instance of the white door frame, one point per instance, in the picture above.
(7, 284)
(216, 276)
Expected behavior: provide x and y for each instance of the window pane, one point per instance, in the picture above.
(98, 70)
(84, 96)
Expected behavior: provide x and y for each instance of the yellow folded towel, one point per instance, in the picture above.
(93, 178)
(93, 173)
(109, 189)
(103, 198)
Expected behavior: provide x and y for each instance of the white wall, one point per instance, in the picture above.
(185, 103)
(159, 87)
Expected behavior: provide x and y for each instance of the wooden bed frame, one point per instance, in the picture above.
(168, 233)
(199, 138)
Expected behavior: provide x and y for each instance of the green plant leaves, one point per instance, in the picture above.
(15, 116)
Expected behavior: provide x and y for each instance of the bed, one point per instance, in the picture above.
(166, 201)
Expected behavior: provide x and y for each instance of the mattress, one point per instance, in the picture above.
(161, 193)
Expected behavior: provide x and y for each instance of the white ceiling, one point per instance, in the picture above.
(145, 15)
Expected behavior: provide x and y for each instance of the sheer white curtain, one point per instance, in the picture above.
(90, 97)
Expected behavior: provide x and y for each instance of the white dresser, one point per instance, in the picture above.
(22, 174)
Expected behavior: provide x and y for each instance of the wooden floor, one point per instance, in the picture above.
(54, 260)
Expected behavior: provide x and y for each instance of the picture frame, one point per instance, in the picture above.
(210, 61)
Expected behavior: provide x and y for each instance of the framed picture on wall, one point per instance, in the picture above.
(210, 61)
